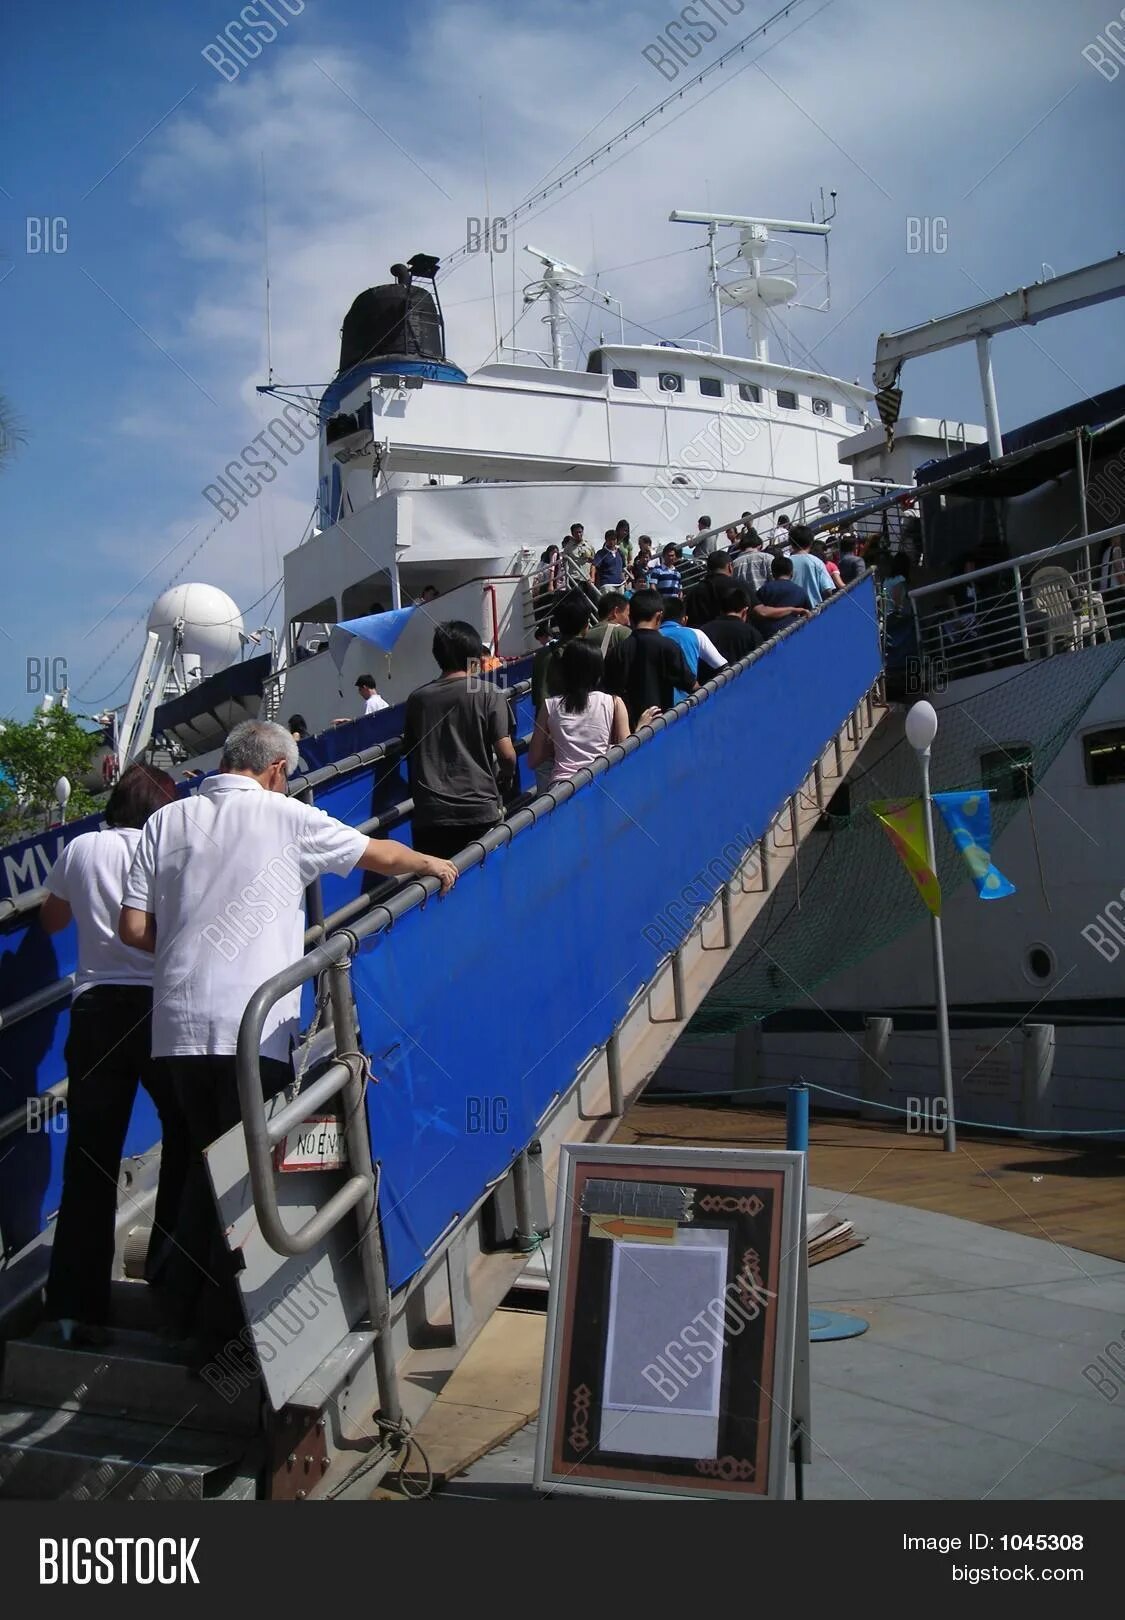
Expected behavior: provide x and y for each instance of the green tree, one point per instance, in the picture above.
(12, 434)
(33, 755)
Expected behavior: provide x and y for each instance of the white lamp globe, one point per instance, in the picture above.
(921, 725)
(62, 792)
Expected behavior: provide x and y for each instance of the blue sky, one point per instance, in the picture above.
(131, 357)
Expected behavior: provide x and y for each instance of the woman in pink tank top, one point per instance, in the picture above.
(577, 727)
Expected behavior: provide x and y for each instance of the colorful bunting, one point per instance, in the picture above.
(903, 822)
(969, 819)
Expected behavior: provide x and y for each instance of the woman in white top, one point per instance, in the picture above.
(108, 1053)
(575, 728)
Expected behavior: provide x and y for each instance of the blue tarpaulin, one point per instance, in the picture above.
(380, 630)
(478, 1009)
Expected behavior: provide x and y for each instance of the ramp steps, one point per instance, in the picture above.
(71, 1456)
(136, 1374)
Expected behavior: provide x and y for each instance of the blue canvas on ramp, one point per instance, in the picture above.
(478, 1009)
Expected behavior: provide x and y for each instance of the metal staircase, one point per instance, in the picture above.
(339, 1358)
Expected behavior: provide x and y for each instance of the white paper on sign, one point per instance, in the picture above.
(663, 1368)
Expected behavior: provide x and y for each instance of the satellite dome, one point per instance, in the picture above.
(212, 624)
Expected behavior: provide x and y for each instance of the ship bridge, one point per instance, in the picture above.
(451, 1046)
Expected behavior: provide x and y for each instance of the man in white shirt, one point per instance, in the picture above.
(216, 892)
(372, 702)
(779, 537)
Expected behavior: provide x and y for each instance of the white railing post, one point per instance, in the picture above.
(1022, 611)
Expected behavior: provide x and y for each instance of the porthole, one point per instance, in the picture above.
(1039, 963)
(671, 382)
(822, 407)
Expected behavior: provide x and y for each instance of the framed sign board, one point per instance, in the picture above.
(674, 1311)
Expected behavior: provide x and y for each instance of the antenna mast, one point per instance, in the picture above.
(759, 291)
(266, 241)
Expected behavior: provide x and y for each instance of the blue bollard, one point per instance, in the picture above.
(822, 1324)
(797, 1118)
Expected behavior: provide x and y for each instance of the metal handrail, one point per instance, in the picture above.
(892, 495)
(337, 949)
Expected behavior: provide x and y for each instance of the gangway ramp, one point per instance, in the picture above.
(527, 1008)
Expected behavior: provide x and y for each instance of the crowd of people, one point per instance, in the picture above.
(619, 564)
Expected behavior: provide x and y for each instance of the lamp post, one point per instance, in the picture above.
(62, 796)
(921, 729)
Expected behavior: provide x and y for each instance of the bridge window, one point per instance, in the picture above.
(1103, 753)
(786, 400)
(750, 393)
(1009, 771)
(854, 415)
(822, 407)
(624, 379)
(711, 386)
(671, 382)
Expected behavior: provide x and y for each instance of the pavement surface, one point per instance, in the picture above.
(969, 1381)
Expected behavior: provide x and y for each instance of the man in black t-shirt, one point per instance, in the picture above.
(702, 601)
(646, 668)
(457, 745)
(730, 631)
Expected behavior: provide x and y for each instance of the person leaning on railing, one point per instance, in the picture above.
(216, 892)
(108, 1054)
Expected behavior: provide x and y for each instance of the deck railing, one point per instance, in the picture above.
(1047, 602)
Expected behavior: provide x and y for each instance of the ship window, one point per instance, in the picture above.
(750, 393)
(671, 382)
(1104, 755)
(786, 400)
(711, 386)
(624, 379)
(1040, 963)
(1009, 771)
(853, 415)
(822, 407)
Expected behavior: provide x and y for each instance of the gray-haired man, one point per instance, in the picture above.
(216, 891)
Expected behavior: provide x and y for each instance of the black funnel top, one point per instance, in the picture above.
(394, 320)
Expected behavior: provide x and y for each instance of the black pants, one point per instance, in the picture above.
(108, 1053)
(445, 841)
(201, 1290)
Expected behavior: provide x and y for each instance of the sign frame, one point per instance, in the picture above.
(707, 1177)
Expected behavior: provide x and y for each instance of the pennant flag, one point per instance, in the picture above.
(905, 827)
(969, 819)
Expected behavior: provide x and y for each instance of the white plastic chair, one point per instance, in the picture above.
(1052, 593)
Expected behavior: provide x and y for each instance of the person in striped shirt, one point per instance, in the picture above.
(664, 576)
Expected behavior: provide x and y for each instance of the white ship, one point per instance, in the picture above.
(431, 478)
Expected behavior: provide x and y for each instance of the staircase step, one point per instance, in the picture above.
(137, 1376)
(72, 1456)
